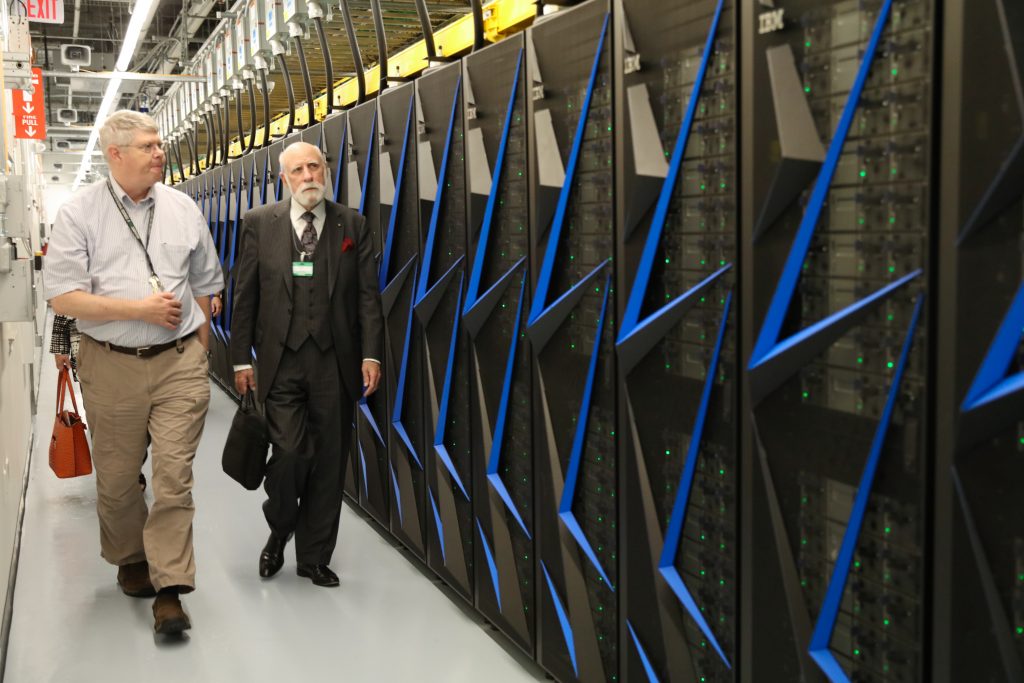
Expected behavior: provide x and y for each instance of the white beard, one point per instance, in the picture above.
(309, 199)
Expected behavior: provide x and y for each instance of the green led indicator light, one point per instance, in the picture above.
(856, 652)
(892, 269)
(860, 359)
(1020, 630)
(807, 44)
(807, 88)
(885, 622)
(895, 72)
(863, 173)
(806, 395)
(889, 364)
(888, 529)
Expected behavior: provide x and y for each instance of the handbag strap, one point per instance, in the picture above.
(64, 385)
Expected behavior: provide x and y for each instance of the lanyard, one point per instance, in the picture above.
(154, 280)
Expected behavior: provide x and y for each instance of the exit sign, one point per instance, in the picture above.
(46, 11)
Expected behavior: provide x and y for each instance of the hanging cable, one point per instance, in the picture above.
(382, 44)
(478, 24)
(328, 62)
(357, 57)
(208, 120)
(238, 122)
(428, 31)
(193, 141)
(306, 83)
(188, 147)
(266, 108)
(251, 144)
(225, 130)
(212, 159)
(177, 154)
(291, 92)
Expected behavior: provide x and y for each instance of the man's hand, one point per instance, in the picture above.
(215, 305)
(62, 361)
(371, 377)
(245, 380)
(161, 309)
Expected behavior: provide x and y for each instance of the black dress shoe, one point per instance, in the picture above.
(319, 574)
(272, 557)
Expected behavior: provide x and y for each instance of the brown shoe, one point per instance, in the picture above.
(134, 580)
(168, 616)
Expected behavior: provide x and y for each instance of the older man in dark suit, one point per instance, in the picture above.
(306, 298)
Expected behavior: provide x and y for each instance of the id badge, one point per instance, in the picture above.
(154, 283)
(302, 269)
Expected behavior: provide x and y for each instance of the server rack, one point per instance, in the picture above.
(979, 555)
(243, 197)
(274, 186)
(571, 327)
(221, 184)
(677, 339)
(313, 134)
(361, 194)
(261, 162)
(400, 262)
(336, 149)
(837, 137)
(497, 293)
(439, 292)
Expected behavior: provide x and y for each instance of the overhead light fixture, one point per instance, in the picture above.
(131, 40)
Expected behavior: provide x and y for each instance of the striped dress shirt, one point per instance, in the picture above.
(92, 250)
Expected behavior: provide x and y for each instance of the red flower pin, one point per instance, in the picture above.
(347, 244)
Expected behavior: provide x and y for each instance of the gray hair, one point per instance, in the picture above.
(280, 157)
(120, 128)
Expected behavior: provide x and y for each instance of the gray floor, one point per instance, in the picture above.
(387, 621)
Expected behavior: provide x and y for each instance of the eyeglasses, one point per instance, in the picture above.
(148, 148)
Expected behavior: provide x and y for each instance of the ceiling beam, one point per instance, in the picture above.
(125, 75)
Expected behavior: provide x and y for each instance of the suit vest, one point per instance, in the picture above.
(310, 303)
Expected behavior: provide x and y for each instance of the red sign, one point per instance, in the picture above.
(45, 11)
(29, 113)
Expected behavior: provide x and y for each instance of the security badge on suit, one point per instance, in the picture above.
(310, 307)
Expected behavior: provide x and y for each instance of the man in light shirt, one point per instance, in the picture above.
(306, 299)
(134, 262)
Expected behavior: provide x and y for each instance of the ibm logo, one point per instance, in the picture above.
(772, 20)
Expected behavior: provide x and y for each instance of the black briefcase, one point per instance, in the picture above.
(245, 451)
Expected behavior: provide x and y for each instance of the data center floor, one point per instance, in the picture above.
(387, 622)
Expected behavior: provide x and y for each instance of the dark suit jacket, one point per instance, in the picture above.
(263, 292)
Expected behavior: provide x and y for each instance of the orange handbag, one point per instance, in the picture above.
(69, 449)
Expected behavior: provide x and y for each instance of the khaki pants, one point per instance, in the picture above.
(166, 396)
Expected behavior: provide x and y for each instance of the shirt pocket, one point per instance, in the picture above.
(172, 260)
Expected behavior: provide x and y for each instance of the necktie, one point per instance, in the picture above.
(308, 238)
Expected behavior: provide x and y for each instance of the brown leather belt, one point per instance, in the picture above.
(148, 351)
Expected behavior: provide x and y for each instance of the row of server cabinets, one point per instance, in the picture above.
(703, 334)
